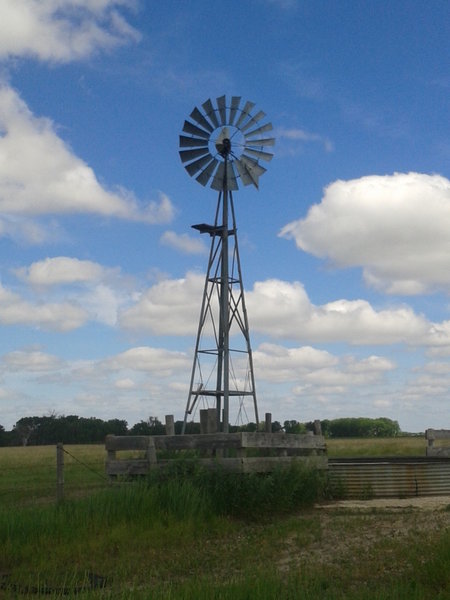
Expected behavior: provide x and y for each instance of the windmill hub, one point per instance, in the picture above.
(224, 147)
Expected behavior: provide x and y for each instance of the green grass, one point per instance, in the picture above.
(28, 474)
(197, 535)
(398, 446)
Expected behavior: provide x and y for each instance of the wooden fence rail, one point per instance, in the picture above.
(231, 451)
(432, 435)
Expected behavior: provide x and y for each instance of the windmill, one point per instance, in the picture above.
(221, 144)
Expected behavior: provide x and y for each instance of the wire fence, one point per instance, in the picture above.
(29, 475)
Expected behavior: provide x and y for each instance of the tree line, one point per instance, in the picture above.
(71, 429)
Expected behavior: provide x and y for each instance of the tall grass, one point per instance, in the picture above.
(249, 495)
(189, 533)
(185, 494)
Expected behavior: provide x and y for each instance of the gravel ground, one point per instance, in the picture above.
(422, 503)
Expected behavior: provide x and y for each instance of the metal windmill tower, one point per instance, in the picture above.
(219, 145)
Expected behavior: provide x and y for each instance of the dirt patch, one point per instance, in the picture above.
(366, 533)
(422, 503)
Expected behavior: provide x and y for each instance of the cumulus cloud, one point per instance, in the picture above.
(60, 270)
(183, 243)
(53, 316)
(150, 360)
(62, 30)
(39, 173)
(396, 227)
(278, 363)
(170, 307)
(283, 310)
(98, 290)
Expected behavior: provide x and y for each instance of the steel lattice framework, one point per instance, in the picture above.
(220, 145)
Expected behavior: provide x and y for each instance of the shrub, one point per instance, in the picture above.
(244, 495)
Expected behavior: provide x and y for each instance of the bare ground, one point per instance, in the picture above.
(421, 503)
(366, 533)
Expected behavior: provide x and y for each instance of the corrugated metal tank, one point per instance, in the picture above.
(364, 478)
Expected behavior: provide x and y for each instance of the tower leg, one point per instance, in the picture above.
(223, 320)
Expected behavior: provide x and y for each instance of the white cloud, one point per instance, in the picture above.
(21, 229)
(40, 175)
(277, 363)
(283, 310)
(60, 270)
(99, 291)
(62, 316)
(30, 361)
(170, 307)
(132, 384)
(312, 367)
(184, 243)
(397, 228)
(62, 30)
(125, 384)
(149, 360)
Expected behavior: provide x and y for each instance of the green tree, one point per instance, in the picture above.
(293, 426)
(25, 429)
(152, 426)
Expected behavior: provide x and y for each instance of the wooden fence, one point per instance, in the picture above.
(243, 452)
(433, 435)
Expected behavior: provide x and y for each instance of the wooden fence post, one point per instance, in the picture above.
(208, 420)
(151, 452)
(60, 472)
(268, 423)
(170, 425)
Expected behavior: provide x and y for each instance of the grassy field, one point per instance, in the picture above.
(172, 539)
(398, 446)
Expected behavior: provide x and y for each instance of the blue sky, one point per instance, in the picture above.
(345, 247)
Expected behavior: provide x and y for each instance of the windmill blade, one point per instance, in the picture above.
(232, 183)
(259, 130)
(197, 116)
(222, 110)
(245, 113)
(207, 172)
(259, 154)
(194, 130)
(191, 142)
(255, 169)
(218, 179)
(195, 166)
(210, 152)
(235, 101)
(260, 115)
(245, 174)
(210, 112)
(187, 155)
(262, 142)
